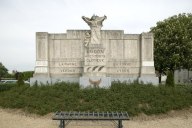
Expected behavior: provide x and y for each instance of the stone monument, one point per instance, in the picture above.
(94, 57)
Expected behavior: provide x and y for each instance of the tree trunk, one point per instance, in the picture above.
(188, 77)
(160, 78)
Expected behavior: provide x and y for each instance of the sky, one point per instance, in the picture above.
(21, 19)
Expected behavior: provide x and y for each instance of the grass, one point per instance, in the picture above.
(133, 98)
(5, 87)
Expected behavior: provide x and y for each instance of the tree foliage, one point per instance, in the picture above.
(173, 43)
(20, 80)
(27, 75)
(3, 70)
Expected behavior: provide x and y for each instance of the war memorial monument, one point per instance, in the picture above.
(94, 57)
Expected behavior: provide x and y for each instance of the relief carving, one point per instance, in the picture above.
(95, 68)
(95, 83)
(87, 39)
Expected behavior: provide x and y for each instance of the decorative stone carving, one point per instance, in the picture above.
(95, 83)
(95, 24)
(87, 39)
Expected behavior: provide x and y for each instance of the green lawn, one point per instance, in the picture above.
(133, 98)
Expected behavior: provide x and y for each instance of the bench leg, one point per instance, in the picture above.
(120, 124)
(62, 124)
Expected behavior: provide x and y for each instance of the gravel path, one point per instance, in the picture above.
(18, 119)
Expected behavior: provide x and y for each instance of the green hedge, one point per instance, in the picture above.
(5, 87)
(133, 98)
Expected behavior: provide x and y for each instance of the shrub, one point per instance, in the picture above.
(27, 75)
(170, 79)
(133, 98)
(20, 80)
(6, 87)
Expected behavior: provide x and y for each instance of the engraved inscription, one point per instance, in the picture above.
(123, 64)
(119, 70)
(96, 51)
(68, 70)
(123, 70)
(63, 64)
(95, 60)
(119, 64)
(95, 56)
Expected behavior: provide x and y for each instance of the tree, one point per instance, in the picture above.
(27, 75)
(16, 74)
(173, 43)
(20, 80)
(3, 71)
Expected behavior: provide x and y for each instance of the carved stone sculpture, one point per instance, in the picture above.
(87, 39)
(95, 24)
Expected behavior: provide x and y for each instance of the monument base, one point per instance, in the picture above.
(43, 80)
(127, 80)
(149, 80)
(40, 80)
(95, 81)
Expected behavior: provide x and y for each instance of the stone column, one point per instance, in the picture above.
(42, 59)
(147, 74)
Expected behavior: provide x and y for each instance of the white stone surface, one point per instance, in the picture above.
(148, 63)
(117, 55)
(41, 70)
(131, 49)
(41, 63)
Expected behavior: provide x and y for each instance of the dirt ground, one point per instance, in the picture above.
(19, 119)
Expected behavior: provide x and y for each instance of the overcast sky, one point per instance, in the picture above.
(21, 19)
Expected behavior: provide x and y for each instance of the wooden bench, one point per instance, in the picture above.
(66, 117)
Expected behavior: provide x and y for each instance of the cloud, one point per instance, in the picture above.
(21, 19)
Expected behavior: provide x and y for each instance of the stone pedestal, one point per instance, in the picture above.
(94, 74)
